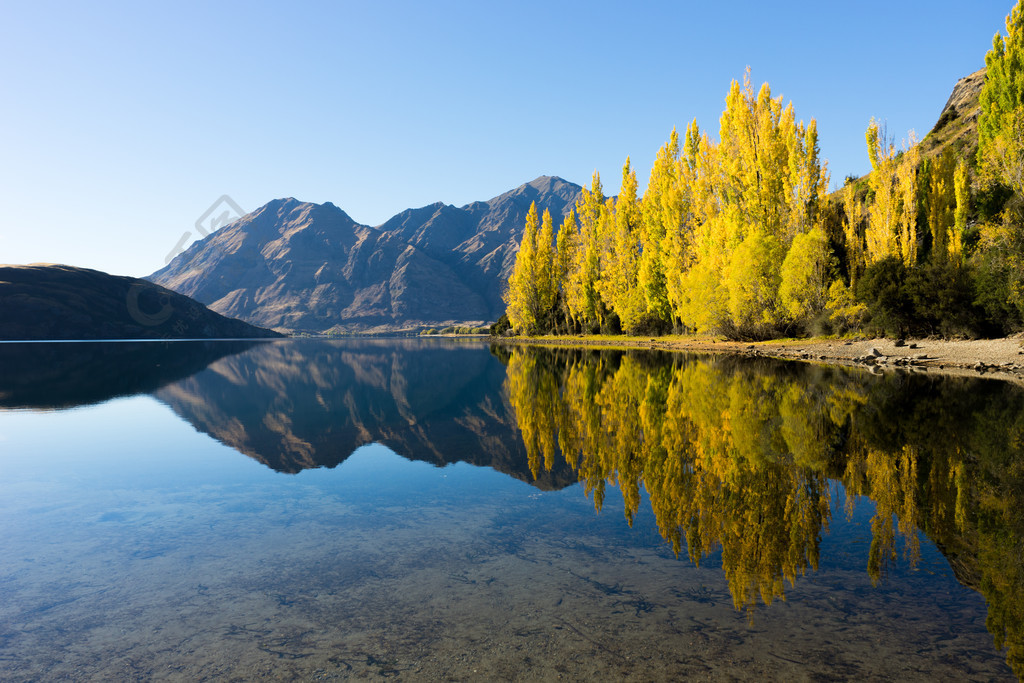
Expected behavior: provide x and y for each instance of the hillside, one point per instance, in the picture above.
(957, 125)
(43, 301)
(298, 266)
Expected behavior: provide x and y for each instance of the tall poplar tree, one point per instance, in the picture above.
(581, 287)
(661, 210)
(546, 271)
(566, 247)
(882, 234)
(962, 192)
(941, 202)
(906, 180)
(621, 262)
(853, 237)
(523, 296)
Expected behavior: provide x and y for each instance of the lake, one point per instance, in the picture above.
(442, 509)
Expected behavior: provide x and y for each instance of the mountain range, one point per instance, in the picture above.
(301, 267)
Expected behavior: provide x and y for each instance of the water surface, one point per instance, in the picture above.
(431, 510)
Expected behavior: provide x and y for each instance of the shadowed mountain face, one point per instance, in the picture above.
(296, 266)
(64, 302)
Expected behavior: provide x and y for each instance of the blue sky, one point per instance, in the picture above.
(121, 123)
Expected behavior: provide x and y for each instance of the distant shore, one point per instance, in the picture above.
(1003, 357)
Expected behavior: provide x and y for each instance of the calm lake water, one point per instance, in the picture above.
(429, 509)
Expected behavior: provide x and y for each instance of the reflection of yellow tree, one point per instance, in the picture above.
(534, 395)
(709, 447)
(746, 496)
(891, 481)
(738, 458)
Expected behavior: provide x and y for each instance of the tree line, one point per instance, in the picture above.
(738, 236)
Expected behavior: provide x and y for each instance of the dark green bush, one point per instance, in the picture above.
(611, 324)
(882, 289)
(502, 325)
(651, 324)
(943, 299)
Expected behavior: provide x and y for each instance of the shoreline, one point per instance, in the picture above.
(1001, 358)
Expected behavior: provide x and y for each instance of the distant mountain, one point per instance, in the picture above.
(43, 301)
(297, 266)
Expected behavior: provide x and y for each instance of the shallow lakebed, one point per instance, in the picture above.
(429, 509)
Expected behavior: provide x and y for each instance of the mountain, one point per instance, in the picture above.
(44, 301)
(298, 266)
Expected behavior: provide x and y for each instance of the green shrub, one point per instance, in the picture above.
(501, 326)
(882, 289)
(943, 296)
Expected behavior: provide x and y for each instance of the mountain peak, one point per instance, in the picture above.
(546, 183)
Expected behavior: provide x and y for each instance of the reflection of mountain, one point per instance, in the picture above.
(64, 375)
(302, 404)
(736, 455)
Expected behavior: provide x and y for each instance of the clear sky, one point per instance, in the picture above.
(121, 124)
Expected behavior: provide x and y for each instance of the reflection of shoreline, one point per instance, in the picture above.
(737, 455)
(305, 404)
(55, 375)
(955, 358)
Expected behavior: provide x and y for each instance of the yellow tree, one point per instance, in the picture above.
(565, 254)
(581, 285)
(1002, 96)
(524, 296)
(881, 234)
(941, 204)
(546, 271)
(806, 275)
(906, 181)
(773, 187)
(962, 192)
(621, 260)
(853, 217)
(678, 247)
(661, 210)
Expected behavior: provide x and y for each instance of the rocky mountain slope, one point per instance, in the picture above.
(44, 301)
(957, 125)
(297, 266)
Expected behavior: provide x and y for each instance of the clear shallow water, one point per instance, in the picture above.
(232, 522)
